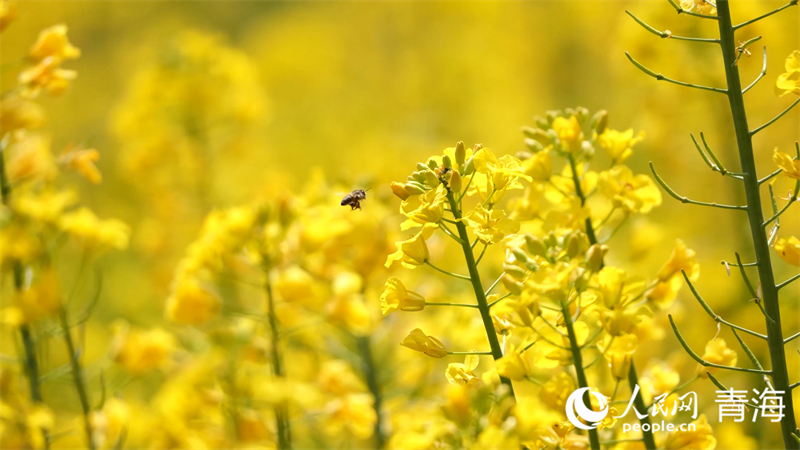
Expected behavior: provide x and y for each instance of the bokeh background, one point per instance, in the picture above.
(361, 91)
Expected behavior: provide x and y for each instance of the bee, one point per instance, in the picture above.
(355, 198)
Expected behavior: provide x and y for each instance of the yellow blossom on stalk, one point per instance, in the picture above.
(789, 81)
(699, 6)
(569, 133)
(30, 159)
(619, 144)
(514, 365)
(699, 437)
(8, 12)
(789, 249)
(556, 390)
(539, 166)
(681, 259)
(395, 296)
(789, 165)
(490, 226)
(82, 161)
(717, 352)
(140, 351)
(110, 422)
(619, 354)
(93, 232)
(354, 413)
(462, 374)
(17, 112)
(565, 184)
(46, 75)
(634, 194)
(660, 380)
(664, 292)
(53, 42)
(190, 303)
(424, 209)
(42, 299)
(502, 173)
(45, 207)
(413, 251)
(417, 340)
(618, 311)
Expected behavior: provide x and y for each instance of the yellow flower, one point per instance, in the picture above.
(140, 351)
(53, 42)
(8, 12)
(395, 296)
(664, 292)
(555, 391)
(514, 365)
(82, 160)
(352, 414)
(417, 340)
(717, 352)
(109, 423)
(490, 226)
(46, 75)
(539, 166)
(789, 81)
(93, 232)
(789, 249)
(619, 354)
(501, 173)
(619, 144)
(682, 258)
(412, 252)
(699, 6)
(191, 304)
(569, 133)
(337, 377)
(17, 112)
(789, 165)
(251, 426)
(31, 159)
(700, 437)
(424, 209)
(45, 207)
(631, 193)
(462, 374)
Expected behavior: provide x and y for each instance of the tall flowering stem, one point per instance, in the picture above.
(577, 360)
(755, 216)
(281, 412)
(78, 379)
(28, 343)
(365, 350)
(477, 286)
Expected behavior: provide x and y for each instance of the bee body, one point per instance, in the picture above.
(354, 199)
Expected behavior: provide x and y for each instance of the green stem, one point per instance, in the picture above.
(28, 343)
(638, 402)
(281, 412)
(577, 361)
(364, 347)
(579, 192)
(477, 286)
(77, 375)
(780, 375)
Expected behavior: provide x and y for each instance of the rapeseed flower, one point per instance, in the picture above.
(395, 296)
(789, 81)
(419, 341)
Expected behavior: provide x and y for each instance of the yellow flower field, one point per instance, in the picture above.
(400, 225)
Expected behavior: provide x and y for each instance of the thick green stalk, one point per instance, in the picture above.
(77, 375)
(281, 412)
(365, 349)
(28, 344)
(577, 361)
(780, 376)
(579, 192)
(477, 286)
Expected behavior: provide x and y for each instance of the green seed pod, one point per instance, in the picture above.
(461, 153)
(446, 161)
(600, 121)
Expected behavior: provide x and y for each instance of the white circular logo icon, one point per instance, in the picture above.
(575, 405)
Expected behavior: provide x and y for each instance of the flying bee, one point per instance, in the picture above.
(355, 198)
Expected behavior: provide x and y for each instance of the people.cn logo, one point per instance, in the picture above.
(575, 405)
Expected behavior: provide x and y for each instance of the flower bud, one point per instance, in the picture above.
(537, 135)
(542, 123)
(455, 181)
(535, 246)
(400, 191)
(513, 286)
(531, 265)
(533, 145)
(516, 272)
(595, 255)
(600, 121)
(461, 153)
(447, 162)
(519, 254)
(418, 176)
(432, 164)
(469, 166)
(582, 113)
(421, 167)
(414, 188)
